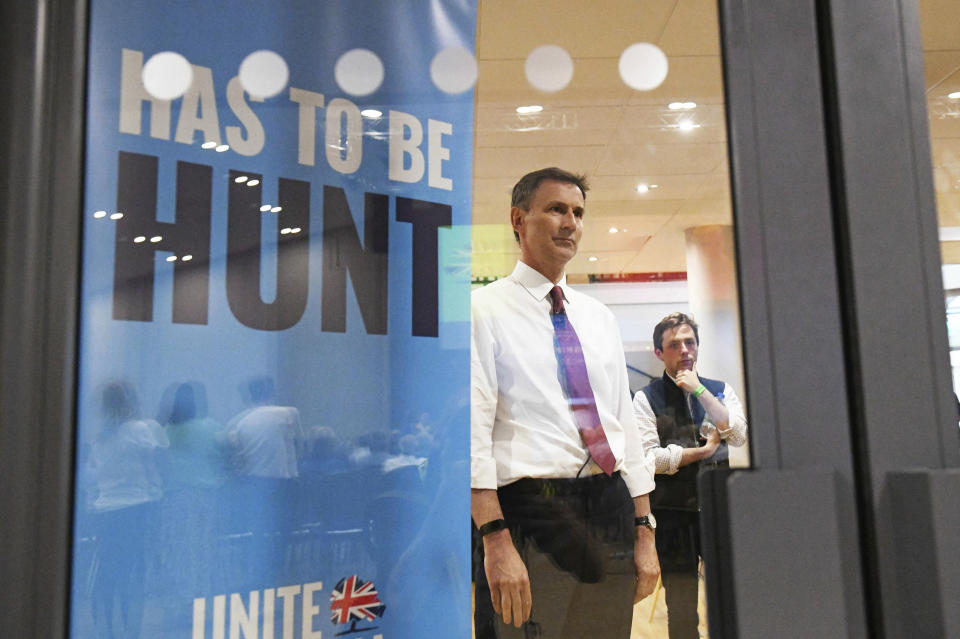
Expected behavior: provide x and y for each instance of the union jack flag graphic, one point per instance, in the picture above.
(355, 600)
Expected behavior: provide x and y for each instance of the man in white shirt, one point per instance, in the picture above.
(555, 515)
(686, 423)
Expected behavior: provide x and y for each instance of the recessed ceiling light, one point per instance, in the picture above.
(156, 238)
(208, 145)
(100, 214)
(139, 238)
(687, 125)
(222, 148)
(116, 216)
(253, 182)
(642, 188)
(240, 179)
(682, 106)
(530, 108)
(276, 209)
(264, 208)
(593, 258)
(954, 96)
(614, 229)
(172, 258)
(371, 114)
(186, 258)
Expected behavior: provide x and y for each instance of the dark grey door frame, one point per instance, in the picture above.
(902, 405)
(854, 426)
(853, 435)
(44, 53)
(781, 540)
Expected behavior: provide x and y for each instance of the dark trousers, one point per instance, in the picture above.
(575, 537)
(678, 547)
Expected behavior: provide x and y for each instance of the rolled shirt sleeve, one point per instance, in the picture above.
(666, 460)
(735, 433)
(483, 404)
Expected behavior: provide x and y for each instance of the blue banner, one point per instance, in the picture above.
(273, 415)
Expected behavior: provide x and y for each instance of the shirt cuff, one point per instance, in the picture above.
(483, 473)
(671, 460)
(638, 485)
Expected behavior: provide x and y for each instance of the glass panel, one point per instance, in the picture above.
(273, 367)
(285, 204)
(940, 29)
(632, 96)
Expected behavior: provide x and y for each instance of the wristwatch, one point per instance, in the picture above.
(647, 520)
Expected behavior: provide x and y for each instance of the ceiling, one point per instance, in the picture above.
(621, 137)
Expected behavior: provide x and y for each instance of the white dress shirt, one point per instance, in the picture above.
(267, 439)
(521, 422)
(668, 457)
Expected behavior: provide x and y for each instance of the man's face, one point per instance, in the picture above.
(550, 230)
(679, 349)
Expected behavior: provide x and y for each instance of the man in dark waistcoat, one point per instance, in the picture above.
(695, 419)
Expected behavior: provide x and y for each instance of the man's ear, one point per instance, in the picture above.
(516, 218)
(658, 353)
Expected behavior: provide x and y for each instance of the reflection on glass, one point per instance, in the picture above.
(634, 101)
(285, 291)
(941, 49)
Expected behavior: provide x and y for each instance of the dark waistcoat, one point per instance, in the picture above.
(676, 425)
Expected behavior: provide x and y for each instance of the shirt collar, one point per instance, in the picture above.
(536, 284)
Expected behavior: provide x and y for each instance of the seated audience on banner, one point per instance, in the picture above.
(686, 422)
(559, 478)
(194, 472)
(266, 441)
(126, 486)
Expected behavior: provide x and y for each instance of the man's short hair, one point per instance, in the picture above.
(672, 321)
(524, 189)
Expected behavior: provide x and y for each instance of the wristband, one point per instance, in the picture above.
(492, 526)
(701, 389)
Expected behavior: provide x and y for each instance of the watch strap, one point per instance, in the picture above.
(492, 526)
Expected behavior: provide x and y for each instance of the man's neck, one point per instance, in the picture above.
(553, 274)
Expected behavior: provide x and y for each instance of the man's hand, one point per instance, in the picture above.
(687, 380)
(508, 579)
(713, 441)
(646, 563)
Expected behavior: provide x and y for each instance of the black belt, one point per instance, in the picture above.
(556, 486)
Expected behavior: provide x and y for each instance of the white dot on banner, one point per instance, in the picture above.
(643, 66)
(454, 70)
(359, 72)
(264, 74)
(167, 75)
(549, 68)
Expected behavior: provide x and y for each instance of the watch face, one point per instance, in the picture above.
(653, 521)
